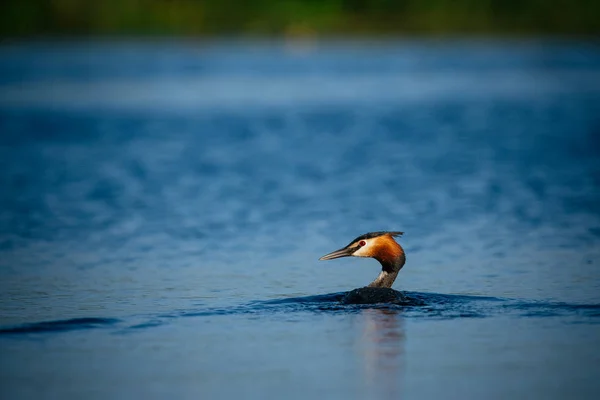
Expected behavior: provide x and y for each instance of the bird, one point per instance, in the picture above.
(382, 247)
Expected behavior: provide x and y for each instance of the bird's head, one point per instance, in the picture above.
(378, 245)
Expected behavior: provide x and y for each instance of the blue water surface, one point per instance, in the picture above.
(164, 204)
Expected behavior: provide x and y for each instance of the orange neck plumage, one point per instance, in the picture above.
(391, 257)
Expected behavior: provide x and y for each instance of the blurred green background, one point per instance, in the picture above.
(22, 18)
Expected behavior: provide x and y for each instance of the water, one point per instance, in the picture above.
(163, 207)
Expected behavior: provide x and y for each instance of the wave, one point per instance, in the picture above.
(418, 305)
(61, 325)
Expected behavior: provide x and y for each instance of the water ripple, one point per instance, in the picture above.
(420, 305)
(63, 325)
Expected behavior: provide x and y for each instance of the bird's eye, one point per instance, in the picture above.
(362, 243)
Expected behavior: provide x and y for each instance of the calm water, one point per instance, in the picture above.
(163, 207)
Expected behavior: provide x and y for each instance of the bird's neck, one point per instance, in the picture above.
(390, 266)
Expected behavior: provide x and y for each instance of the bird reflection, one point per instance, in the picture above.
(382, 344)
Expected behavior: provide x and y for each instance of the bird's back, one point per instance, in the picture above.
(374, 295)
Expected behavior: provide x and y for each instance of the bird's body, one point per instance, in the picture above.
(374, 295)
(382, 247)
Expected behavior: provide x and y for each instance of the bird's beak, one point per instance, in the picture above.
(345, 252)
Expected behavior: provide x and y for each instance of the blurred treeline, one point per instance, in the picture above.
(297, 17)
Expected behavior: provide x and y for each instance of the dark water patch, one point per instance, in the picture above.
(63, 325)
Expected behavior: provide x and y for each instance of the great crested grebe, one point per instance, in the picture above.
(382, 247)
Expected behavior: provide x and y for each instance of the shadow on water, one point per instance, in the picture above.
(418, 305)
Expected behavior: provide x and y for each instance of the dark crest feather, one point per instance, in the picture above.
(372, 235)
